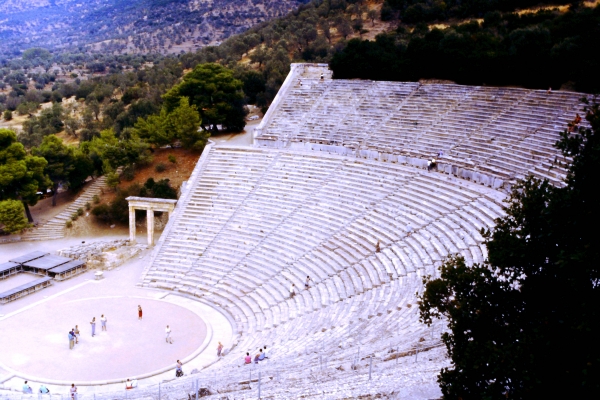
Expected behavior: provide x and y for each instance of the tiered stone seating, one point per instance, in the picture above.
(505, 133)
(259, 220)
(367, 228)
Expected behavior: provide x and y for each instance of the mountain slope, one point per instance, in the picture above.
(163, 26)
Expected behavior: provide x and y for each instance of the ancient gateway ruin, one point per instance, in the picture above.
(150, 205)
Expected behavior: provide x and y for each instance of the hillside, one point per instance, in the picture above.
(132, 26)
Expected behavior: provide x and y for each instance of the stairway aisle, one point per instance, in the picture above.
(55, 228)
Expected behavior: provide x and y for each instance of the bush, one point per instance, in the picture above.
(8, 115)
(74, 217)
(160, 167)
(128, 174)
(80, 211)
(69, 224)
(96, 199)
(102, 212)
(88, 206)
(12, 216)
(172, 159)
(112, 179)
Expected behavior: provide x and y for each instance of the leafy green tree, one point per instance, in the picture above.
(36, 52)
(27, 108)
(181, 123)
(217, 95)
(525, 324)
(154, 129)
(61, 164)
(21, 175)
(12, 216)
(83, 168)
(108, 152)
(184, 123)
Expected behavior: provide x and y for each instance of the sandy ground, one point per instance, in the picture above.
(238, 139)
(38, 325)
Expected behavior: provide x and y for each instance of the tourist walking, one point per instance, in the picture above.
(103, 322)
(139, 312)
(76, 334)
(307, 283)
(73, 391)
(93, 324)
(292, 291)
(168, 337)
(219, 349)
(71, 340)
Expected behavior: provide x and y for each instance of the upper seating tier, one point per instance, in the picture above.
(504, 133)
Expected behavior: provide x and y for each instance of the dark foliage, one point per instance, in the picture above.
(541, 50)
(118, 210)
(525, 324)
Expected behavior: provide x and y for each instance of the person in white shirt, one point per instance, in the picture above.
(266, 352)
(168, 338)
(292, 290)
(103, 322)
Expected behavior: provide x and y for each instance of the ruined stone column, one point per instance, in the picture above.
(150, 223)
(131, 224)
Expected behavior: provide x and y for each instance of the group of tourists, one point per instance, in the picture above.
(260, 356)
(74, 332)
(44, 390)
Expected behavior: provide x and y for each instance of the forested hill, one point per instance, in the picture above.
(129, 26)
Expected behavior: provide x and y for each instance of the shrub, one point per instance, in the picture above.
(172, 159)
(74, 217)
(80, 211)
(112, 179)
(128, 173)
(88, 206)
(96, 199)
(69, 224)
(102, 212)
(12, 216)
(160, 167)
(8, 115)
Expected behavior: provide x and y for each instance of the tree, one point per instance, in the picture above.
(154, 129)
(21, 176)
(109, 152)
(12, 216)
(8, 115)
(71, 125)
(60, 162)
(372, 15)
(344, 27)
(357, 24)
(525, 323)
(184, 124)
(216, 94)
